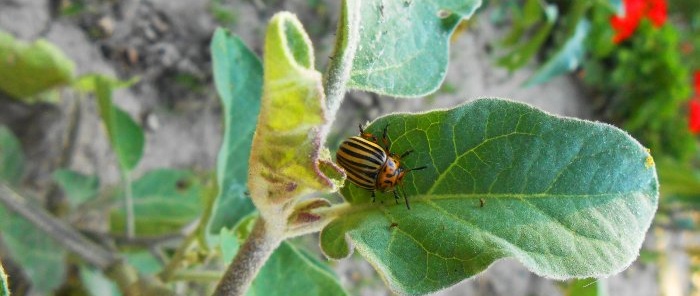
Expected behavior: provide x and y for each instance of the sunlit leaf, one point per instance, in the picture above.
(29, 69)
(287, 153)
(125, 136)
(566, 197)
(403, 45)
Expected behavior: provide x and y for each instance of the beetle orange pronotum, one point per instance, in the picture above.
(371, 166)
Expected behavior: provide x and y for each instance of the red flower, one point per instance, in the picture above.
(657, 13)
(694, 116)
(635, 10)
(696, 83)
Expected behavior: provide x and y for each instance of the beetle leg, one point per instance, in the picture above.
(405, 197)
(405, 154)
(373, 198)
(385, 138)
(396, 196)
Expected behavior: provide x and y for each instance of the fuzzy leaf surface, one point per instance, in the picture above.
(287, 155)
(238, 77)
(566, 197)
(403, 45)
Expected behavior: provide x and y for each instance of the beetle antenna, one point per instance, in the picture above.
(406, 154)
(417, 169)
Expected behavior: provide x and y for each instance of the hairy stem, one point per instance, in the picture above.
(338, 72)
(250, 259)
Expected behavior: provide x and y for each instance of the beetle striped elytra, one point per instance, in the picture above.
(371, 166)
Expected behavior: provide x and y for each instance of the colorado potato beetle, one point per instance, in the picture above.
(373, 167)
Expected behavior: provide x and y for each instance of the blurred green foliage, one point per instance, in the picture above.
(645, 84)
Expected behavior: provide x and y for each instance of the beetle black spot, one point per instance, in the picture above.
(387, 181)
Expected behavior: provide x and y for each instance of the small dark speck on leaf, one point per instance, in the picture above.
(482, 202)
(393, 224)
(182, 184)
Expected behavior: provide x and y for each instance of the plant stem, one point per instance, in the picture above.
(170, 270)
(128, 204)
(176, 260)
(251, 257)
(338, 72)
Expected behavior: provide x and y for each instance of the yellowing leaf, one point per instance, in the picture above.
(287, 144)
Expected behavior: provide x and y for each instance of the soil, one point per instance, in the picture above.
(165, 43)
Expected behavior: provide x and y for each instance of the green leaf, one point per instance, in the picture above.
(586, 287)
(403, 46)
(42, 260)
(4, 286)
(287, 156)
(164, 201)
(96, 284)
(11, 157)
(567, 59)
(238, 77)
(307, 276)
(125, 136)
(566, 197)
(288, 271)
(144, 262)
(523, 52)
(27, 70)
(77, 187)
(679, 180)
(87, 83)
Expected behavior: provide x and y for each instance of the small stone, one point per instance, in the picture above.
(132, 56)
(106, 25)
